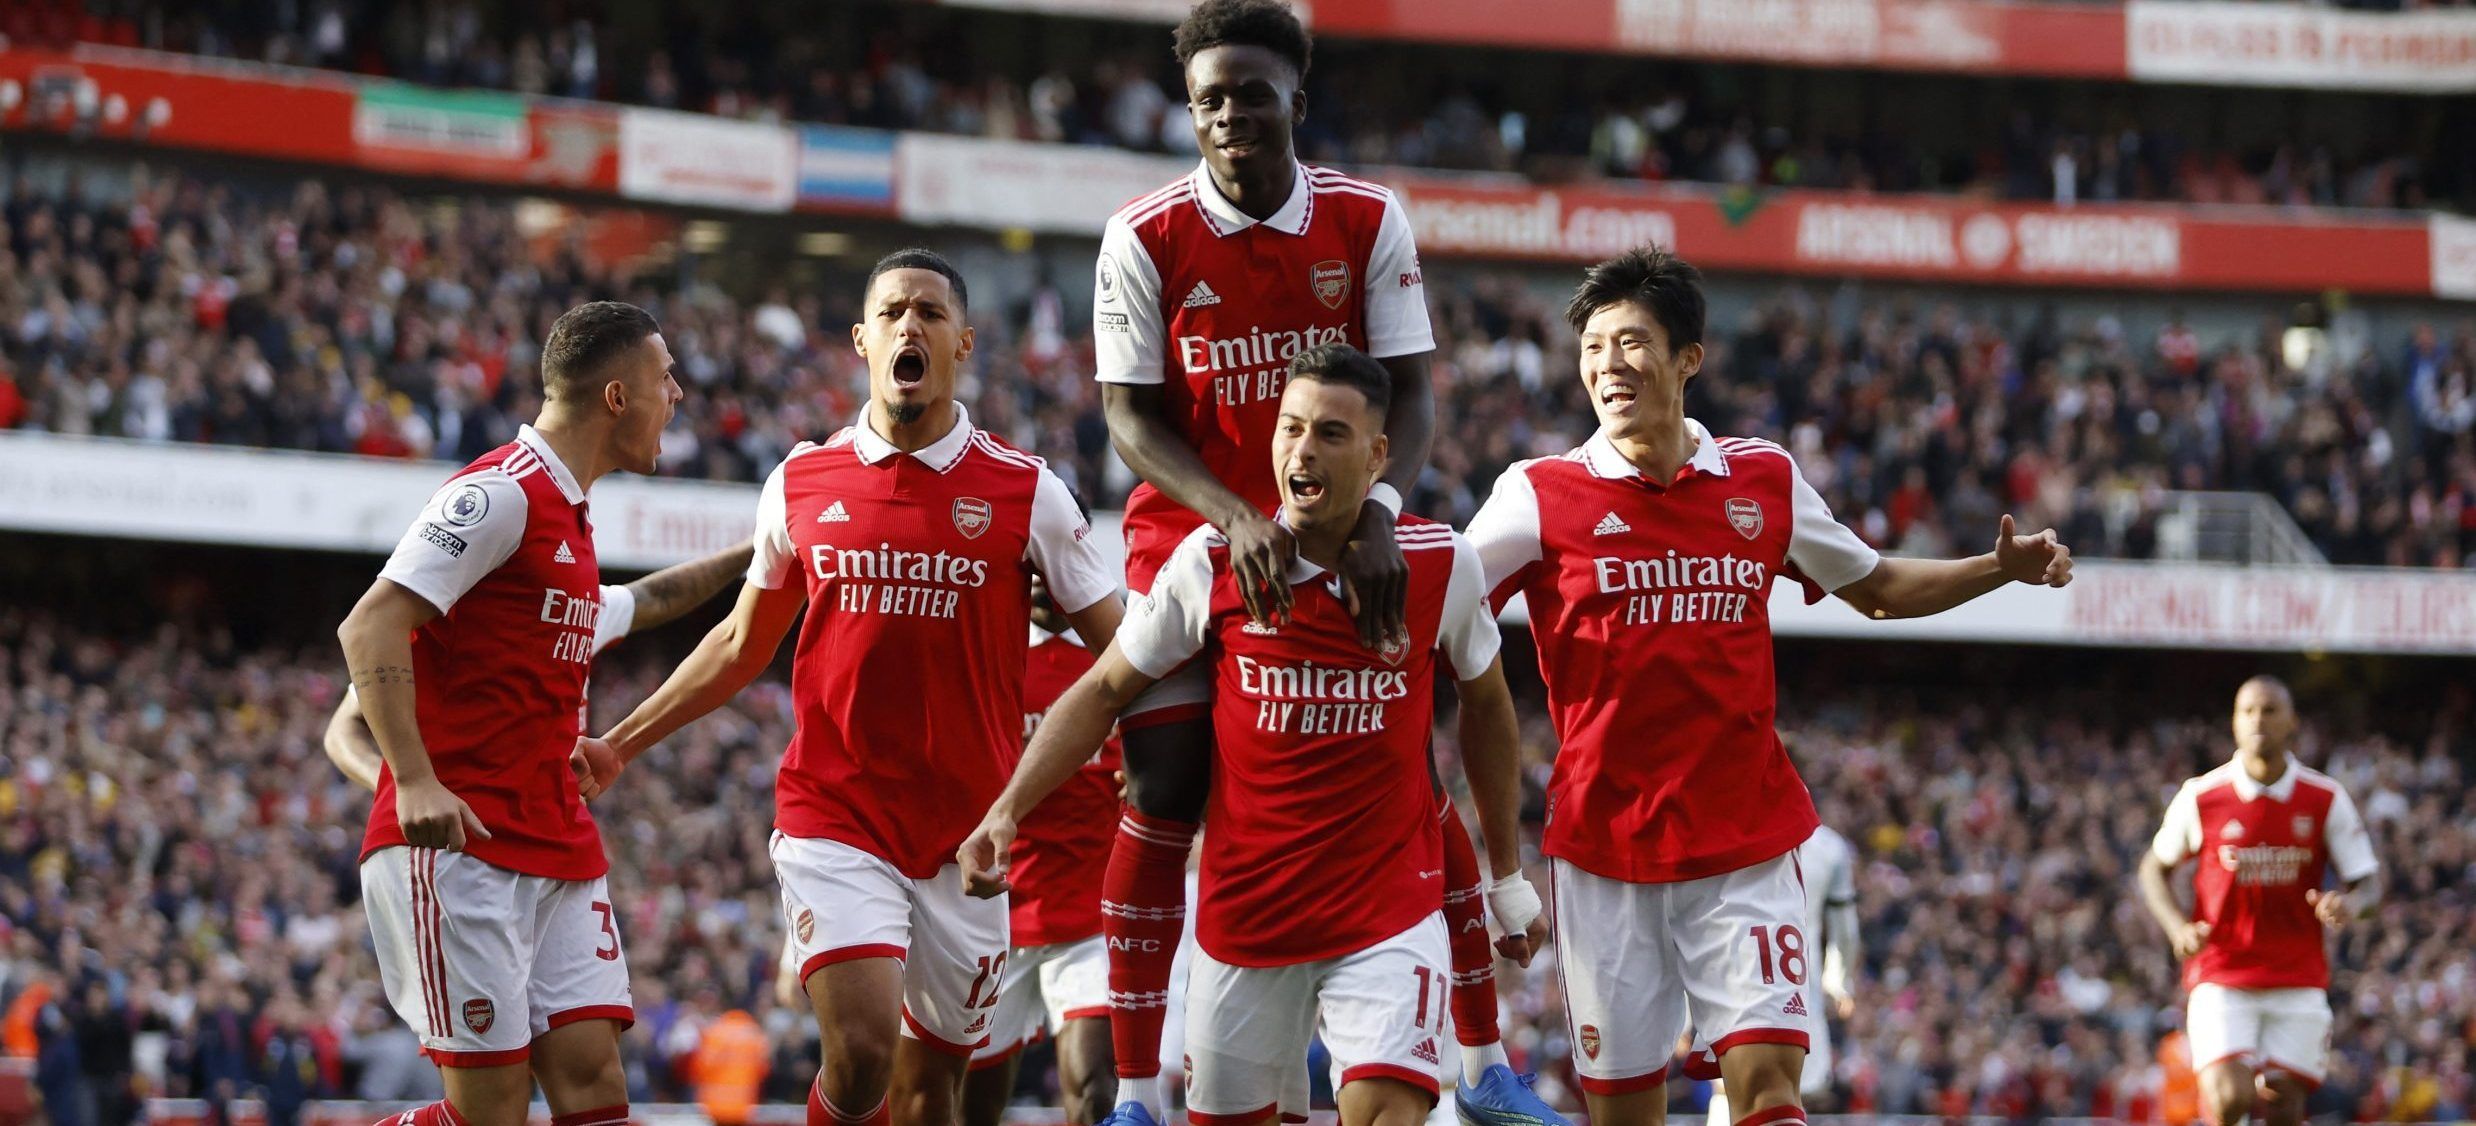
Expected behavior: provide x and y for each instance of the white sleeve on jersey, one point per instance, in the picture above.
(1825, 549)
(1062, 550)
(471, 525)
(1505, 533)
(1129, 338)
(1169, 624)
(618, 617)
(2180, 836)
(1396, 292)
(770, 566)
(1467, 633)
(2350, 844)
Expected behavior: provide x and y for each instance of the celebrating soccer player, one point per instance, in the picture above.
(1204, 291)
(482, 873)
(1323, 873)
(910, 537)
(2264, 833)
(1646, 556)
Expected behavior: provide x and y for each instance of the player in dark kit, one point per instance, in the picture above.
(1204, 291)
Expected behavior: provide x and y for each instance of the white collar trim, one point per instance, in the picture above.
(532, 440)
(939, 455)
(1225, 218)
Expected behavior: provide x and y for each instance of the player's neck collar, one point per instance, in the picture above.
(2248, 788)
(1225, 218)
(1606, 460)
(560, 475)
(939, 455)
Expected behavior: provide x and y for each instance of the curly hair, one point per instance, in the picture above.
(1269, 24)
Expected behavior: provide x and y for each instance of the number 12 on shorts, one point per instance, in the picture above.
(1791, 960)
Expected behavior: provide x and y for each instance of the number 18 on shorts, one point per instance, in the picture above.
(1380, 1010)
(1726, 956)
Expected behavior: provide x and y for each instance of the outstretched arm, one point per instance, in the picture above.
(732, 655)
(1068, 736)
(1915, 588)
(664, 595)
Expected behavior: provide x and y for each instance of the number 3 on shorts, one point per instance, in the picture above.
(608, 952)
(1791, 952)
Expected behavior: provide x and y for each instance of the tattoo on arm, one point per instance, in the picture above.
(383, 674)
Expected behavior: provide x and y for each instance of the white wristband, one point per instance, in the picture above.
(1387, 496)
(1513, 902)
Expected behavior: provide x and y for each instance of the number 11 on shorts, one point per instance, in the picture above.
(1792, 952)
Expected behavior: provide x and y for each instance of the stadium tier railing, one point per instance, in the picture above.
(2231, 527)
(692, 160)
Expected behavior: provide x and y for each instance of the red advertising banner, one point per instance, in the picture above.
(1929, 238)
(1984, 36)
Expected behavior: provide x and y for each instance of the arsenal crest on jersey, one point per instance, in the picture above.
(1745, 516)
(1395, 649)
(1330, 279)
(972, 516)
(479, 1015)
(2303, 826)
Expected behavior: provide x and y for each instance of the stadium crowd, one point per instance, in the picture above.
(178, 894)
(351, 318)
(895, 67)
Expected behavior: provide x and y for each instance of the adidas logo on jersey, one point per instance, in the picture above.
(1795, 1006)
(2234, 831)
(1259, 629)
(1609, 525)
(564, 555)
(1201, 296)
(834, 514)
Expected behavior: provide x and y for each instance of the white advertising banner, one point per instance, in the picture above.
(2454, 257)
(695, 159)
(1050, 189)
(328, 502)
(2240, 43)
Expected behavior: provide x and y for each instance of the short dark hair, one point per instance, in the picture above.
(1269, 24)
(585, 339)
(920, 258)
(1344, 366)
(1669, 286)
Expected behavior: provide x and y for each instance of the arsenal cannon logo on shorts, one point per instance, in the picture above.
(479, 1015)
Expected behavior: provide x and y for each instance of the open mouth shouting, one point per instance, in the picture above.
(1304, 489)
(910, 367)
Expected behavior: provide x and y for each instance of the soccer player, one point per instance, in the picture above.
(648, 602)
(482, 872)
(1827, 866)
(1321, 907)
(2265, 832)
(1057, 977)
(910, 537)
(1647, 555)
(1204, 291)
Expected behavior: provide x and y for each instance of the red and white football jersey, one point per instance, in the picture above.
(506, 554)
(1323, 833)
(908, 676)
(1649, 602)
(2259, 849)
(1061, 850)
(1194, 295)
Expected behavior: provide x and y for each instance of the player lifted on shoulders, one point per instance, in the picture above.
(2264, 833)
(1322, 895)
(648, 602)
(910, 538)
(1647, 555)
(1057, 975)
(482, 872)
(1204, 291)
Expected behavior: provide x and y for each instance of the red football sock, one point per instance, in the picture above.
(616, 1115)
(823, 1113)
(1788, 1114)
(1142, 914)
(440, 1113)
(1465, 915)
